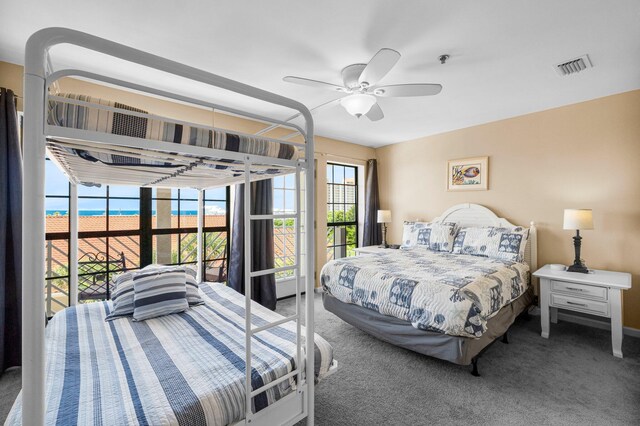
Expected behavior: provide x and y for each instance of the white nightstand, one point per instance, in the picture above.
(597, 293)
(371, 250)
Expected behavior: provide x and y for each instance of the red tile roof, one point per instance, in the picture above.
(58, 250)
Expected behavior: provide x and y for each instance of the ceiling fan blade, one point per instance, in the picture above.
(375, 113)
(404, 90)
(378, 66)
(313, 83)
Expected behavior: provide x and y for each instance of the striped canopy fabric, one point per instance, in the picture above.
(87, 163)
(186, 368)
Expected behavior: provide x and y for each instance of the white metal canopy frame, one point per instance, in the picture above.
(288, 410)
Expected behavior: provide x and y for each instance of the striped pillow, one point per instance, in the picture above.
(159, 292)
(122, 296)
(193, 292)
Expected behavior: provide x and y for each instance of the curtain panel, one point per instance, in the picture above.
(10, 233)
(263, 289)
(372, 234)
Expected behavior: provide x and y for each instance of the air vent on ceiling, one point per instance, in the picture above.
(574, 65)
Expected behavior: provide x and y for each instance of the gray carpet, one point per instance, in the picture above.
(572, 378)
(9, 388)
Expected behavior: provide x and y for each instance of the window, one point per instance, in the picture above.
(284, 231)
(123, 227)
(57, 239)
(108, 238)
(284, 193)
(342, 210)
(175, 229)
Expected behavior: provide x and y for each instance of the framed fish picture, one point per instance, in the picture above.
(468, 174)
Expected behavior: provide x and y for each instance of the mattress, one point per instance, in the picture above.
(122, 122)
(184, 368)
(448, 293)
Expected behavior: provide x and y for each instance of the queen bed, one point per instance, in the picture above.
(449, 300)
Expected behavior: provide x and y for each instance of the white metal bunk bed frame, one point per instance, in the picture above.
(288, 410)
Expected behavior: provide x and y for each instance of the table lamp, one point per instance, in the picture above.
(578, 219)
(384, 217)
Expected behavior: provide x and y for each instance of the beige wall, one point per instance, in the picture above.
(11, 76)
(585, 155)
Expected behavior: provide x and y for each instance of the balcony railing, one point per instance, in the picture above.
(102, 258)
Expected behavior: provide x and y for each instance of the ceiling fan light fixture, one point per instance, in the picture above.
(358, 104)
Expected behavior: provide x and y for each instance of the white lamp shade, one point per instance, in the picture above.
(384, 216)
(578, 219)
(358, 104)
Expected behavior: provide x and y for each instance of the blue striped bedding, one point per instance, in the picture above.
(185, 368)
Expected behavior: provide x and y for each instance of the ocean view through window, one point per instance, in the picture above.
(113, 235)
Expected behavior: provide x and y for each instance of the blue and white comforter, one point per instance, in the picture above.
(186, 368)
(450, 293)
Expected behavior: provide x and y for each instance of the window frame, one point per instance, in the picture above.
(332, 225)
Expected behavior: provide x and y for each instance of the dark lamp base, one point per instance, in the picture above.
(578, 268)
(578, 264)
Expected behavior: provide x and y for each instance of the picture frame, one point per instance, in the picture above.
(468, 174)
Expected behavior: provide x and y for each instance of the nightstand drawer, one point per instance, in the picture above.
(580, 290)
(577, 304)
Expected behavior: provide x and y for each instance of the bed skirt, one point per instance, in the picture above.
(456, 349)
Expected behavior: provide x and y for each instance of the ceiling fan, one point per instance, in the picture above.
(360, 85)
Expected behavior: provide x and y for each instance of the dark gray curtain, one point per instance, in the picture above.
(263, 289)
(372, 230)
(10, 232)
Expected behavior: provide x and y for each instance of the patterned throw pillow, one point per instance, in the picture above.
(497, 243)
(159, 292)
(435, 236)
(122, 296)
(193, 292)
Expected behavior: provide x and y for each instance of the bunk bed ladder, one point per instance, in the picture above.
(250, 393)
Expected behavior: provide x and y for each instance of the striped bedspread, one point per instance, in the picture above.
(83, 117)
(186, 369)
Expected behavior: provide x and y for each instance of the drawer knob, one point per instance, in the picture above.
(577, 304)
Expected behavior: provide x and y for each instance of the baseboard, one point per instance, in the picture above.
(596, 323)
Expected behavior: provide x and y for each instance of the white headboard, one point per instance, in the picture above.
(476, 215)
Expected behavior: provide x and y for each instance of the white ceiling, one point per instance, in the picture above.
(502, 52)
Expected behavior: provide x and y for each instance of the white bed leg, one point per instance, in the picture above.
(200, 269)
(73, 244)
(310, 273)
(247, 287)
(33, 253)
